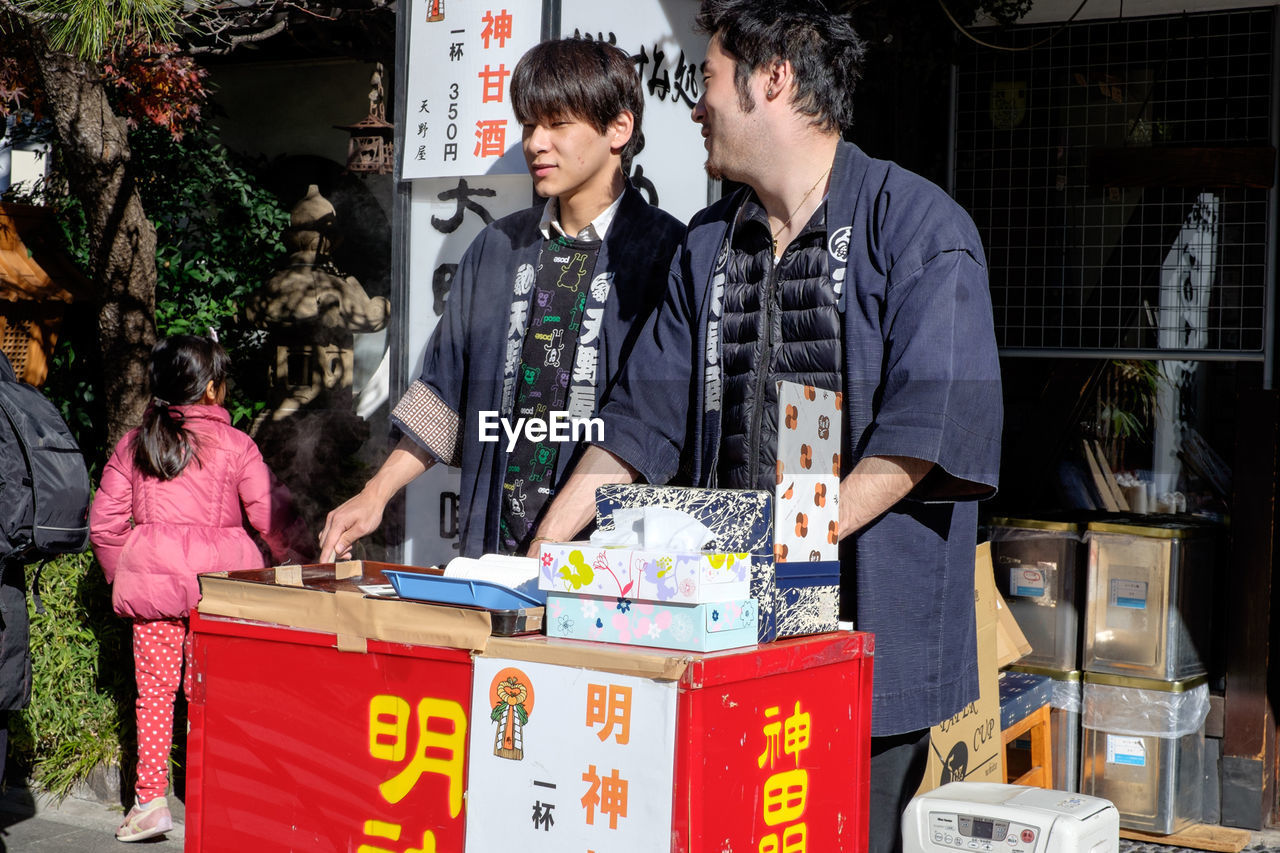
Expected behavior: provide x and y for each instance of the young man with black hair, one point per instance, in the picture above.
(545, 309)
(834, 269)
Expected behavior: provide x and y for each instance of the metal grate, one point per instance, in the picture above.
(1093, 269)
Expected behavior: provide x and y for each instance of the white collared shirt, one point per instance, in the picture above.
(595, 230)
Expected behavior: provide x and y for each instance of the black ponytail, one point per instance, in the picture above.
(182, 366)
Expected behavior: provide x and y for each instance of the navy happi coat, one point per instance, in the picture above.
(921, 379)
(467, 368)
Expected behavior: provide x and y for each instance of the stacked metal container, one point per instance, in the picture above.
(1146, 651)
(1039, 566)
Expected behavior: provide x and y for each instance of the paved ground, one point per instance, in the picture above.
(36, 825)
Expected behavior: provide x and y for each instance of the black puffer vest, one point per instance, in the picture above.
(780, 322)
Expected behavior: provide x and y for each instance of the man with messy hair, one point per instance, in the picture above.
(545, 308)
(833, 269)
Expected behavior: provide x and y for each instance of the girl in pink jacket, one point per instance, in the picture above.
(172, 505)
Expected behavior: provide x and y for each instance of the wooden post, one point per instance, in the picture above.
(1249, 726)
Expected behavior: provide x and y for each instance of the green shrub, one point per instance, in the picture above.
(81, 710)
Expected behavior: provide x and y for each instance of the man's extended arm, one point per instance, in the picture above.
(874, 486)
(575, 503)
(362, 514)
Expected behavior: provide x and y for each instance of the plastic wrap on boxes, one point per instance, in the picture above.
(1130, 710)
(1039, 570)
(1066, 696)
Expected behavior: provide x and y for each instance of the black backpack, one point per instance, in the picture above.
(44, 483)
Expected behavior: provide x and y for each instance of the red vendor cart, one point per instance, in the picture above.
(305, 740)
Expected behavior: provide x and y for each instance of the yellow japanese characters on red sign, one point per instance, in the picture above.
(429, 738)
(784, 793)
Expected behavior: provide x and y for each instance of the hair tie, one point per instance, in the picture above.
(163, 404)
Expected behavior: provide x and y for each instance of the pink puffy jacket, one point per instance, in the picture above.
(154, 536)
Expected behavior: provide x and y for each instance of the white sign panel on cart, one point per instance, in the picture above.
(458, 119)
(564, 758)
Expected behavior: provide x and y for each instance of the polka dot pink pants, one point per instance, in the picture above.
(160, 648)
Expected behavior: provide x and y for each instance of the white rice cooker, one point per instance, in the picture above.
(992, 818)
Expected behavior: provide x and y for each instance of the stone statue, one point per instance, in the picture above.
(311, 311)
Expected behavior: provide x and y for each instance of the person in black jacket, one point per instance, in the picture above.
(544, 311)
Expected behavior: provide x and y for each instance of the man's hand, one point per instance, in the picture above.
(362, 514)
(574, 505)
(355, 519)
(874, 486)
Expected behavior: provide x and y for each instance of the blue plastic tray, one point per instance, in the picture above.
(469, 593)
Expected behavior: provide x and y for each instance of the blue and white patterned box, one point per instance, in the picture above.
(688, 627)
(808, 599)
(741, 520)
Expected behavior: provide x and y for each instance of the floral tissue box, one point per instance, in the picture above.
(636, 574)
(688, 627)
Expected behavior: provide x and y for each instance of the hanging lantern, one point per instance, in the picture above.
(372, 146)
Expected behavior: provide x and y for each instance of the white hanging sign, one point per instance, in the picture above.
(458, 119)
(659, 38)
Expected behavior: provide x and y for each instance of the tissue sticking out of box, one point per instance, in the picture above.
(518, 573)
(654, 528)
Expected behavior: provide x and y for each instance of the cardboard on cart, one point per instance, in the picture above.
(651, 663)
(348, 599)
(969, 746)
(668, 625)
(644, 575)
(740, 519)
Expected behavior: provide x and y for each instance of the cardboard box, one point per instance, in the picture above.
(1011, 643)
(667, 625)
(969, 746)
(344, 599)
(643, 575)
